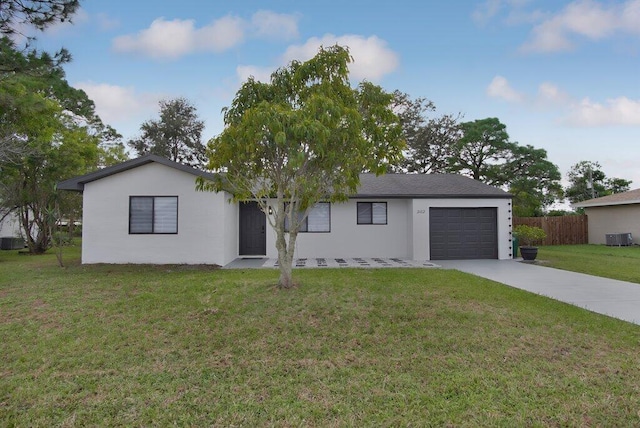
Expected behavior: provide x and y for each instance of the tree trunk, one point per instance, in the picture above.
(285, 250)
(39, 244)
(285, 258)
(286, 278)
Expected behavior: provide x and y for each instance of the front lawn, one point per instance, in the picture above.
(176, 345)
(621, 263)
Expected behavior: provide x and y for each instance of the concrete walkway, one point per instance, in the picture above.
(265, 263)
(617, 299)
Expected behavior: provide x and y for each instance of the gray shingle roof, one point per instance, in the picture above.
(371, 186)
(425, 186)
(624, 198)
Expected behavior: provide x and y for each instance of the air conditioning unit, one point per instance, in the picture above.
(619, 239)
(11, 243)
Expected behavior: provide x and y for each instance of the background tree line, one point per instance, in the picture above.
(481, 149)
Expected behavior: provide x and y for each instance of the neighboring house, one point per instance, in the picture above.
(614, 214)
(10, 226)
(147, 210)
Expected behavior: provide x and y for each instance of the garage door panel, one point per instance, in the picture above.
(463, 233)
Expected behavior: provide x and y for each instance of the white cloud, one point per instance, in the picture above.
(518, 16)
(631, 16)
(81, 17)
(500, 88)
(171, 39)
(548, 93)
(163, 39)
(620, 111)
(106, 23)
(548, 37)
(274, 25)
(118, 103)
(616, 111)
(486, 11)
(372, 59)
(220, 35)
(261, 74)
(584, 18)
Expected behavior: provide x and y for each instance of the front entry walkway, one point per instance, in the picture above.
(617, 299)
(249, 263)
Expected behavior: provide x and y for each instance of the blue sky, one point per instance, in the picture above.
(562, 75)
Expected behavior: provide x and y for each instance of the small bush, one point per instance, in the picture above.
(529, 235)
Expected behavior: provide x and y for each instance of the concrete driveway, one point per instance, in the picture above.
(617, 299)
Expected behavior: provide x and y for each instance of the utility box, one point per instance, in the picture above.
(619, 239)
(11, 243)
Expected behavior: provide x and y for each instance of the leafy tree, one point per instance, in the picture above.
(430, 142)
(111, 153)
(18, 15)
(559, 213)
(176, 136)
(533, 180)
(17, 106)
(303, 138)
(56, 127)
(617, 185)
(483, 150)
(40, 14)
(587, 181)
(58, 149)
(48, 130)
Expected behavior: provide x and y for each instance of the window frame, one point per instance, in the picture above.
(371, 223)
(304, 227)
(153, 219)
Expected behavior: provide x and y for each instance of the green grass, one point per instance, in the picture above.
(174, 345)
(621, 263)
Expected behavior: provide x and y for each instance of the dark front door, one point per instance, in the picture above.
(253, 237)
(463, 233)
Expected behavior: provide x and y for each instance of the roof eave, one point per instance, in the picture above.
(419, 196)
(605, 204)
(76, 184)
(71, 185)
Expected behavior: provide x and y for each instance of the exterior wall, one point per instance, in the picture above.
(348, 239)
(10, 226)
(406, 234)
(231, 229)
(420, 221)
(208, 225)
(613, 219)
(203, 220)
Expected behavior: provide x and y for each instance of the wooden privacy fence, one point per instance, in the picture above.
(565, 230)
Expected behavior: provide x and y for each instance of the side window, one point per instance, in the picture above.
(318, 219)
(153, 215)
(372, 213)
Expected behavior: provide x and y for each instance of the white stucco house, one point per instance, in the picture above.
(615, 214)
(147, 210)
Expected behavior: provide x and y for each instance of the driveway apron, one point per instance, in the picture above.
(617, 299)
